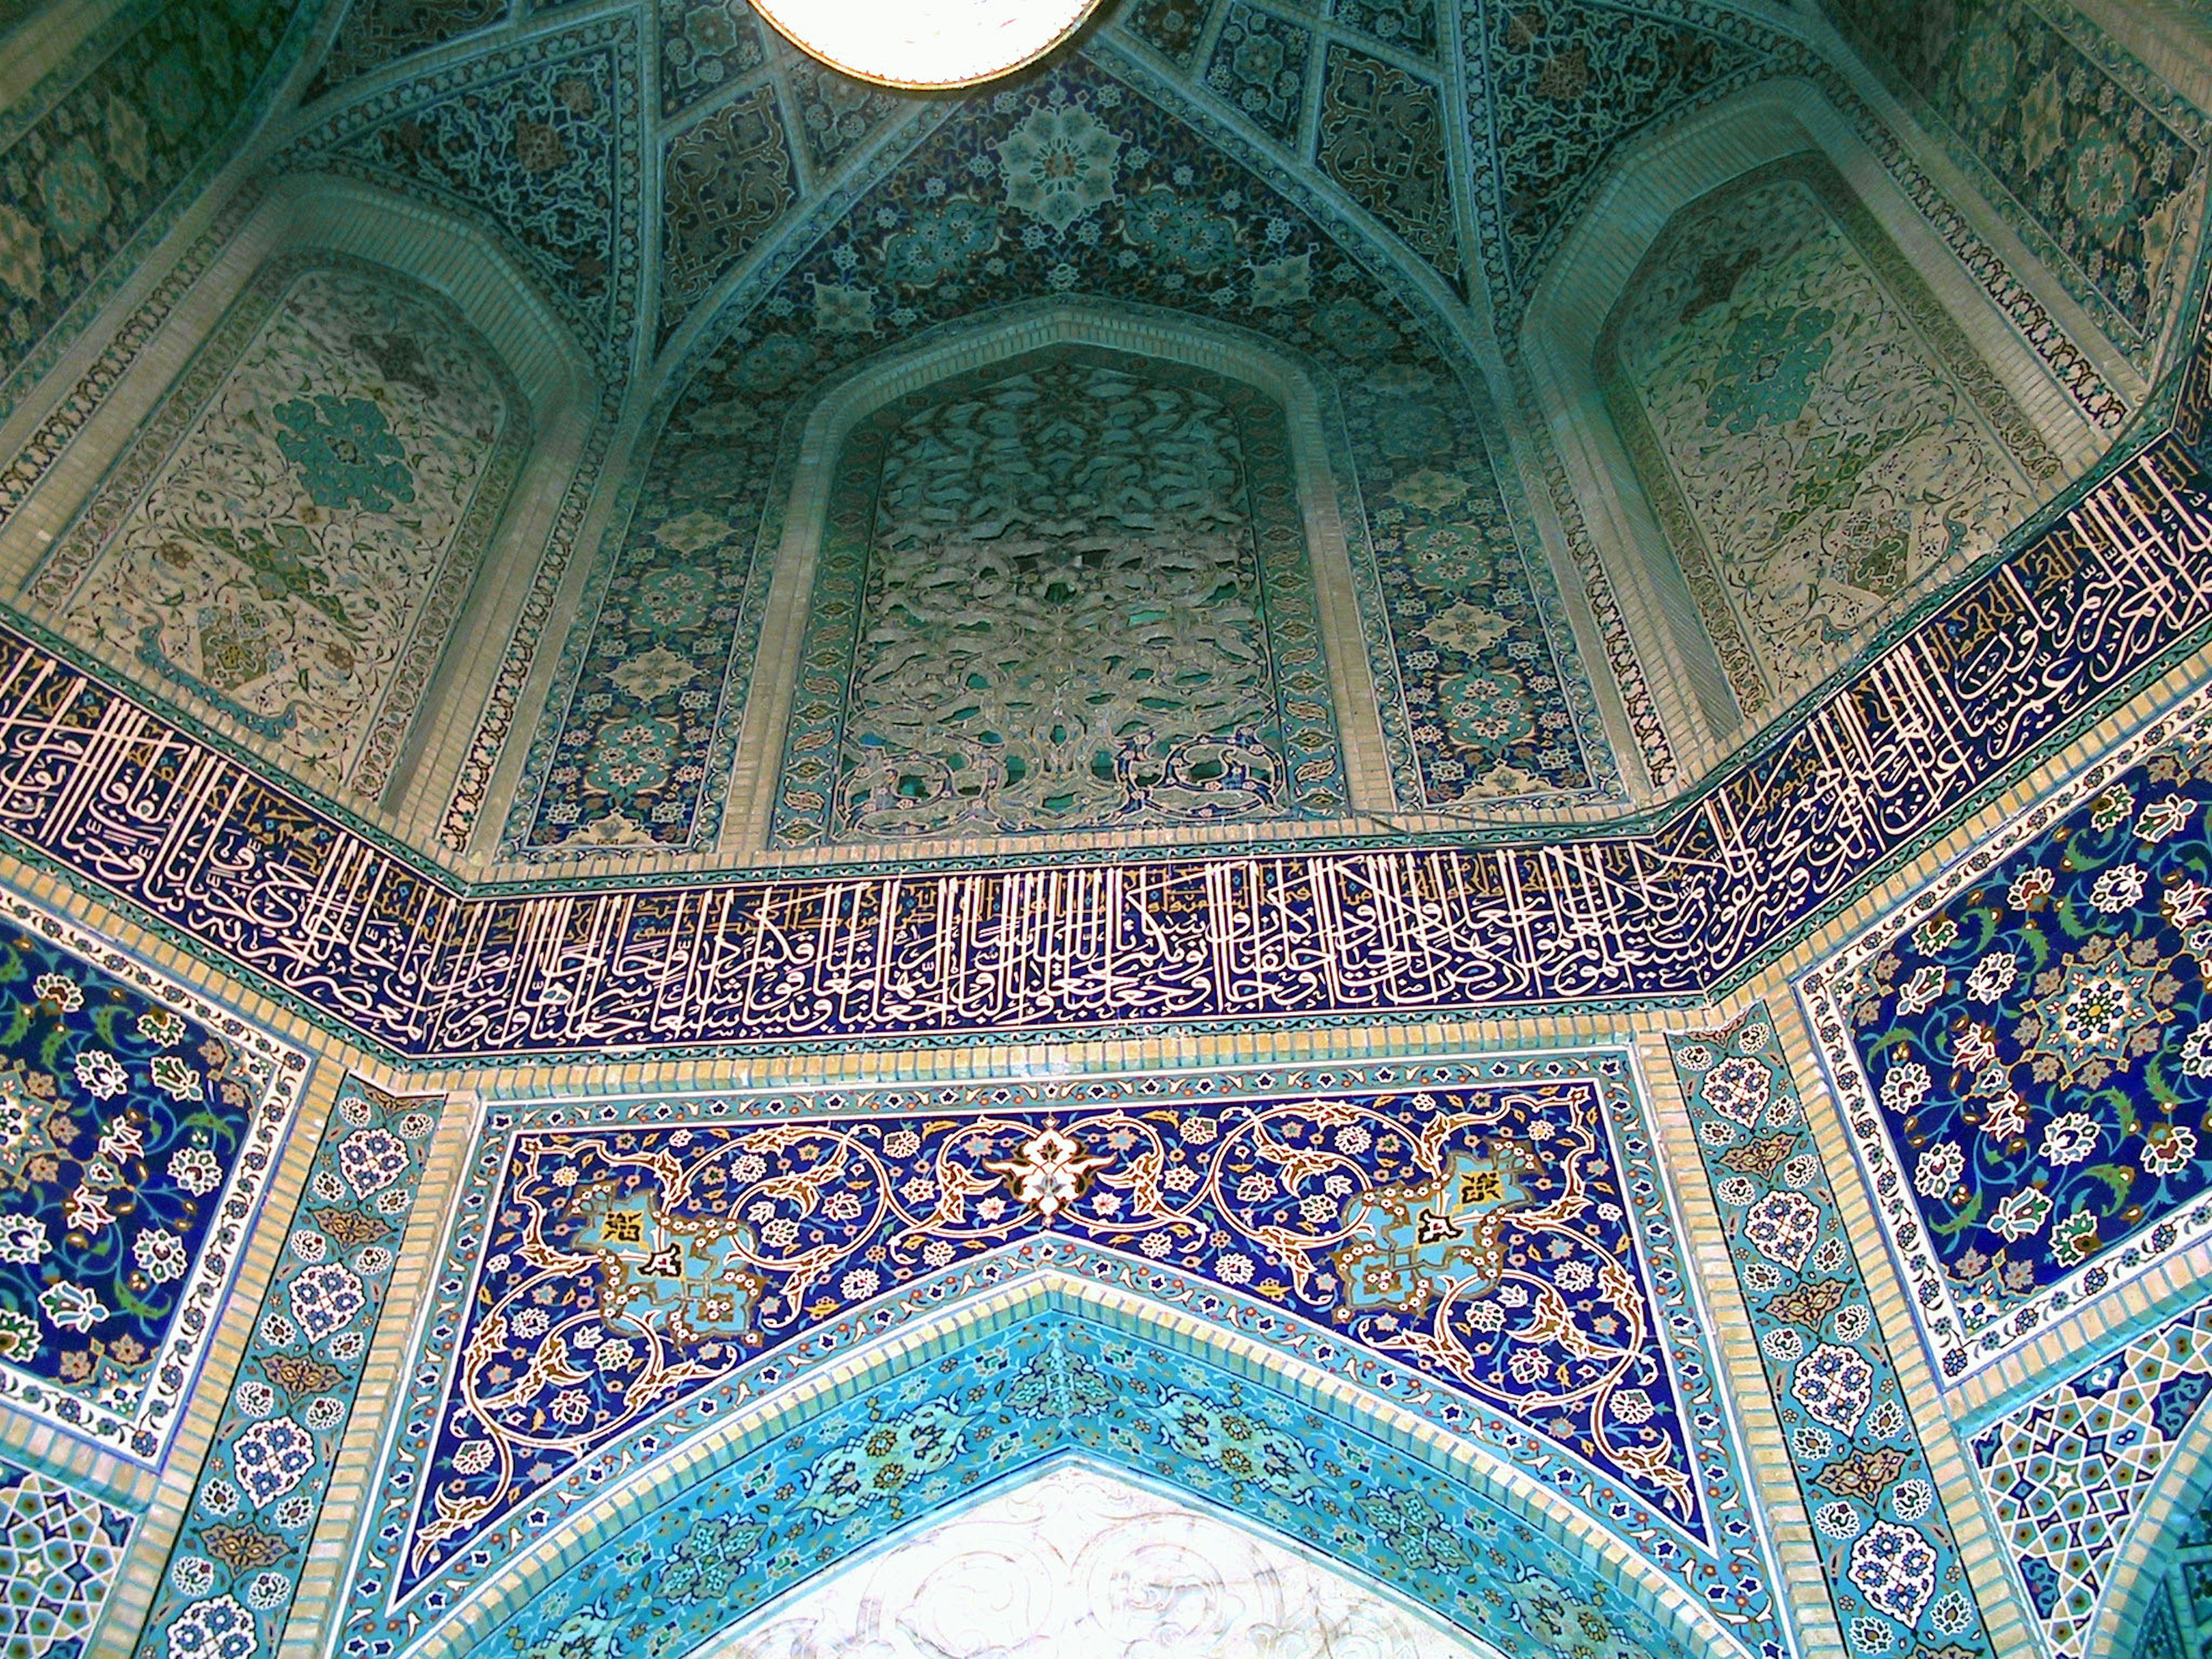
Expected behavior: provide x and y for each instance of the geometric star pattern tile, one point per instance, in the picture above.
(59, 1553)
(2066, 1472)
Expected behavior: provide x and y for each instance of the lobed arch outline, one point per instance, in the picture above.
(1576, 1547)
(1650, 181)
(306, 221)
(798, 513)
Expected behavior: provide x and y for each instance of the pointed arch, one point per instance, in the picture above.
(1053, 1362)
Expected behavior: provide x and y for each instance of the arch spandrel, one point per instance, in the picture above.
(1484, 1254)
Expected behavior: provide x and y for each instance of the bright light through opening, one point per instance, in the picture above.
(925, 44)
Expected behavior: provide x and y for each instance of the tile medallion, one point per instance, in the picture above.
(1819, 441)
(1074, 185)
(1025, 1399)
(2066, 1474)
(293, 530)
(1886, 1547)
(237, 1561)
(2025, 1051)
(138, 1127)
(2098, 166)
(61, 1550)
(1487, 1243)
(539, 143)
(1079, 494)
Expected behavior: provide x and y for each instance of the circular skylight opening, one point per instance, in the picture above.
(926, 45)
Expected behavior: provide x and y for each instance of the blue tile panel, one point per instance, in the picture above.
(359, 935)
(990, 1412)
(2067, 1473)
(138, 1127)
(1886, 1547)
(1486, 1245)
(236, 1563)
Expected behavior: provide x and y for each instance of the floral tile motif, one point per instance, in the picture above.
(1071, 185)
(1556, 87)
(704, 46)
(294, 531)
(60, 1550)
(1409, 25)
(1172, 29)
(137, 1126)
(380, 31)
(1463, 1232)
(836, 114)
(1259, 64)
(995, 1411)
(81, 179)
(1886, 1547)
(236, 1564)
(1468, 1240)
(2029, 1049)
(2100, 168)
(907, 722)
(2066, 1472)
(1820, 440)
(539, 142)
(724, 183)
(1381, 136)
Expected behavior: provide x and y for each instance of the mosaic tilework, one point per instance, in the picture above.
(136, 1129)
(1171, 28)
(87, 167)
(60, 1550)
(837, 115)
(380, 31)
(306, 906)
(1892, 1565)
(2021, 1047)
(1083, 495)
(539, 143)
(1809, 426)
(704, 46)
(292, 531)
(1555, 88)
(236, 1563)
(2099, 168)
(1287, 1205)
(1259, 64)
(1460, 1232)
(995, 1410)
(2065, 1472)
(1482, 696)
(1409, 25)
(402, 959)
(724, 183)
(1381, 136)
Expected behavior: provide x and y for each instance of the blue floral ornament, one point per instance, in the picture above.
(1766, 376)
(346, 452)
